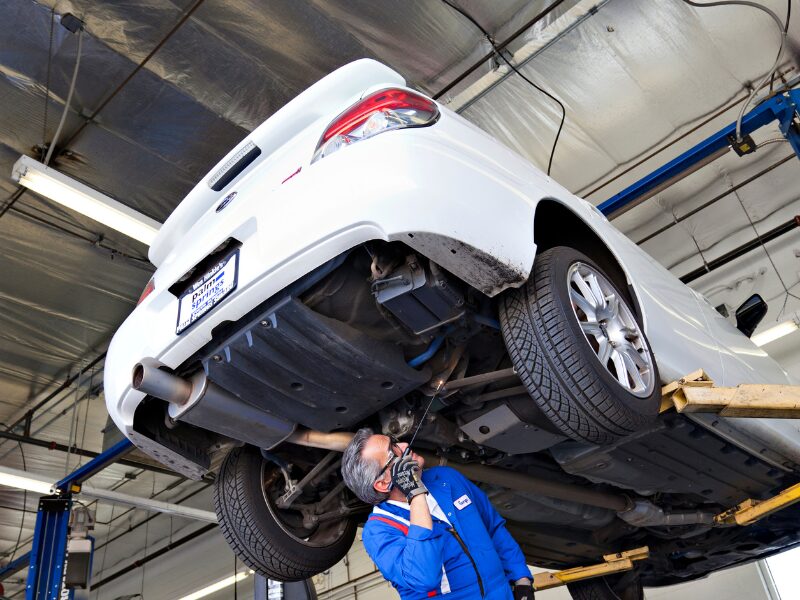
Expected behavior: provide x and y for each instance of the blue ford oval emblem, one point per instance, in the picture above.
(225, 201)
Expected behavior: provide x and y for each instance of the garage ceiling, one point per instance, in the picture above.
(634, 77)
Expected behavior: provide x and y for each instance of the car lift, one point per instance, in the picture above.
(693, 393)
(47, 560)
(696, 393)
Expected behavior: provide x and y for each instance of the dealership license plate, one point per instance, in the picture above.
(208, 291)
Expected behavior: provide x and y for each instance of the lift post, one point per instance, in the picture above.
(613, 563)
(48, 556)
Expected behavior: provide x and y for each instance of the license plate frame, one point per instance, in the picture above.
(207, 292)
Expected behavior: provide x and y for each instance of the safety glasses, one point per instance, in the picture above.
(394, 453)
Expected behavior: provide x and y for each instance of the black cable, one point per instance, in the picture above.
(788, 16)
(782, 27)
(24, 506)
(498, 52)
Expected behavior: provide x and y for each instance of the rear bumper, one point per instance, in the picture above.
(429, 188)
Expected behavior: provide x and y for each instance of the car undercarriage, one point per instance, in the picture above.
(383, 337)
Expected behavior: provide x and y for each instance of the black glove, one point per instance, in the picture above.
(406, 477)
(523, 591)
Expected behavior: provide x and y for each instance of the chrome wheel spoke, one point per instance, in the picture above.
(610, 329)
(628, 349)
(585, 290)
(632, 367)
(611, 308)
(620, 369)
(604, 351)
(583, 304)
(592, 328)
(594, 285)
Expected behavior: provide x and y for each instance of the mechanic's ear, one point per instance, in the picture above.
(382, 484)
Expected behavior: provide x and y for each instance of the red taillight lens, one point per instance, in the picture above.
(382, 111)
(151, 285)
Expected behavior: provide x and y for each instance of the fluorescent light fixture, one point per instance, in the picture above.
(215, 587)
(774, 333)
(22, 481)
(81, 198)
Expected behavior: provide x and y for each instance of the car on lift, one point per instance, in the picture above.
(366, 253)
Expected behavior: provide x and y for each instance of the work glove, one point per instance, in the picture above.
(523, 591)
(406, 477)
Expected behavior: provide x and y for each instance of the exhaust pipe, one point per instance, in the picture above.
(516, 481)
(336, 441)
(200, 402)
(151, 380)
(644, 513)
(148, 378)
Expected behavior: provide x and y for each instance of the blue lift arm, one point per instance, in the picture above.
(781, 107)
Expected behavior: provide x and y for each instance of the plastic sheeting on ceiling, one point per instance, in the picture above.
(633, 76)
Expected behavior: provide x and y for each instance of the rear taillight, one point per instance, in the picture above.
(382, 111)
(151, 285)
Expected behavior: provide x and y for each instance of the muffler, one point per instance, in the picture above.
(201, 402)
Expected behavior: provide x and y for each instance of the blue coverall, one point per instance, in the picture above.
(423, 563)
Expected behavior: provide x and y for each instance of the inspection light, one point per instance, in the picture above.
(19, 480)
(81, 198)
(774, 333)
(215, 587)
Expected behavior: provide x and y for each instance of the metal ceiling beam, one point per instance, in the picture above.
(742, 250)
(500, 47)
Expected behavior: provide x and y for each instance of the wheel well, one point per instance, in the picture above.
(572, 231)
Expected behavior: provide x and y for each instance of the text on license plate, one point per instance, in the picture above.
(207, 292)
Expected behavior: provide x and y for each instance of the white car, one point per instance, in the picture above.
(365, 248)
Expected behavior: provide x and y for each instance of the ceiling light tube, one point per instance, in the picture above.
(21, 480)
(774, 333)
(81, 198)
(215, 587)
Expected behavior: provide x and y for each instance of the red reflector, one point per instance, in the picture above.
(151, 285)
(391, 99)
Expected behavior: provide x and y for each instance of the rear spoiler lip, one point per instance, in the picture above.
(328, 95)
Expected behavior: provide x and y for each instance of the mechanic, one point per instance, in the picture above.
(431, 532)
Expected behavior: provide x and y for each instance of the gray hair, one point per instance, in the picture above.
(360, 473)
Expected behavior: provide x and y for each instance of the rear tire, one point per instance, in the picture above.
(277, 548)
(620, 587)
(558, 350)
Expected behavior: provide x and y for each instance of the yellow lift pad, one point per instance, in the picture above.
(613, 563)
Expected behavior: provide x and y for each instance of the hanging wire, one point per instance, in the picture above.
(54, 141)
(786, 289)
(499, 53)
(146, 536)
(47, 78)
(783, 34)
(72, 440)
(105, 548)
(24, 509)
